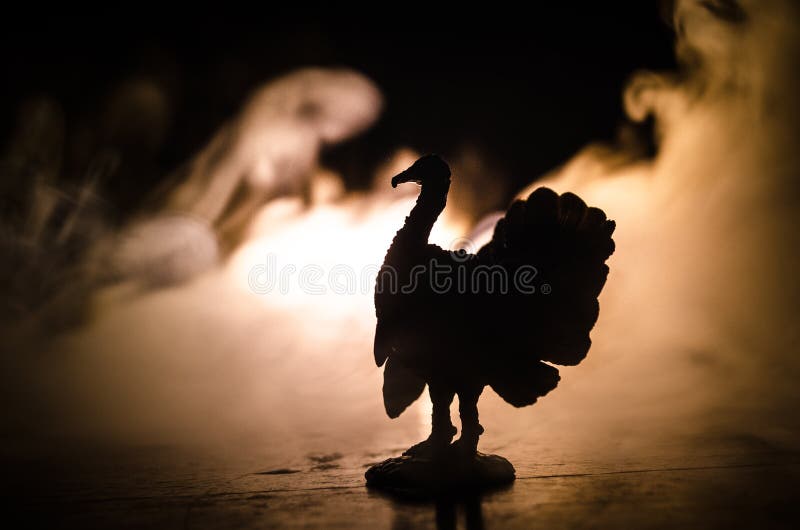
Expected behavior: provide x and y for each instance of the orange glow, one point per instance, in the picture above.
(693, 319)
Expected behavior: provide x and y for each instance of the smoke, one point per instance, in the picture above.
(107, 349)
(697, 329)
(271, 149)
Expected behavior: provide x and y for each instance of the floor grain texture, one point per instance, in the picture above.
(729, 486)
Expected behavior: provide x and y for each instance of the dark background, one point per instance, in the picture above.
(525, 89)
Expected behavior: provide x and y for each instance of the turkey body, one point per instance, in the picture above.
(459, 322)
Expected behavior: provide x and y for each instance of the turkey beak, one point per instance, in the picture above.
(409, 175)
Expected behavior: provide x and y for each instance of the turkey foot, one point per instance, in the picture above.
(435, 445)
(467, 444)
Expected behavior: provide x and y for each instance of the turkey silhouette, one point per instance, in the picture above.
(458, 322)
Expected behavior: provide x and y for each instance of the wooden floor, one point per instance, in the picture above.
(721, 486)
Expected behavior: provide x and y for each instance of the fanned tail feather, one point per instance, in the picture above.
(525, 381)
(568, 243)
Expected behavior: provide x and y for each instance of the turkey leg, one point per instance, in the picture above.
(442, 429)
(471, 430)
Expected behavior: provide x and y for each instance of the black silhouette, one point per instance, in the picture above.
(458, 322)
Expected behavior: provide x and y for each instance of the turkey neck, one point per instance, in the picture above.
(419, 223)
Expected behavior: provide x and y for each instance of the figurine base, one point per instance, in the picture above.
(424, 477)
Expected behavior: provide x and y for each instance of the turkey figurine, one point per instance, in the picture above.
(458, 322)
